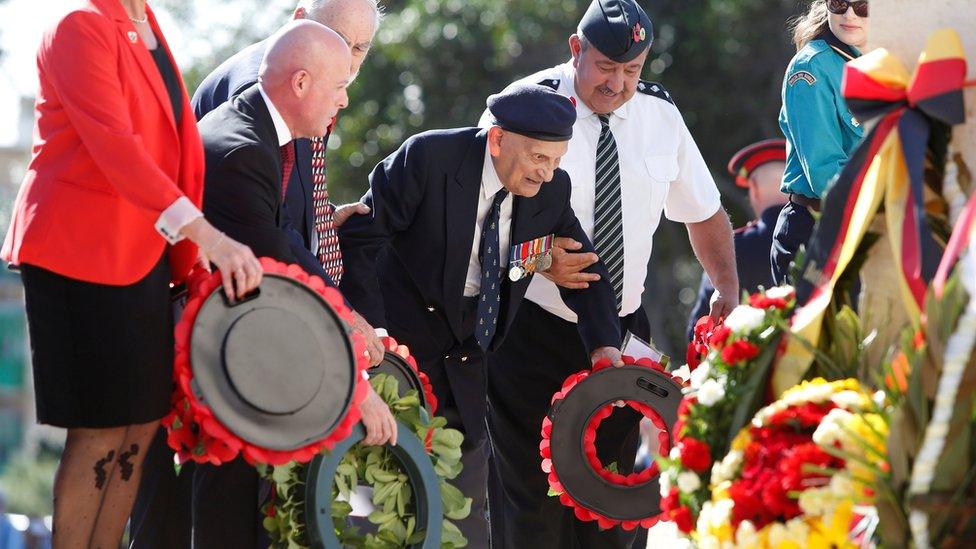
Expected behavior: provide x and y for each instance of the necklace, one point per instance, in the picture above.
(144, 20)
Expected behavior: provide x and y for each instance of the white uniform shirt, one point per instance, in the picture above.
(661, 170)
(490, 184)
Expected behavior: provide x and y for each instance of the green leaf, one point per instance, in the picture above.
(750, 395)
(456, 506)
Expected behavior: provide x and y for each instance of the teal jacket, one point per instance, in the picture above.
(820, 130)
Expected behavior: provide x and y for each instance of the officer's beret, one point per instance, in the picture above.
(749, 158)
(533, 111)
(620, 29)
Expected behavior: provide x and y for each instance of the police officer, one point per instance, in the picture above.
(820, 130)
(759, 169)
(630, 159)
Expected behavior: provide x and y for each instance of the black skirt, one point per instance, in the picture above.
(102, 355)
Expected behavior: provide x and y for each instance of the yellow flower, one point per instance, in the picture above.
(741, 440)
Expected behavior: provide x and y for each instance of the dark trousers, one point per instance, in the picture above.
(458, 380)
(539, 353)
(794, 227)
(226, 506)
(161, 514)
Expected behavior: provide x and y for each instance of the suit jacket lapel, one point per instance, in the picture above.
(462, 211)
(143, 57)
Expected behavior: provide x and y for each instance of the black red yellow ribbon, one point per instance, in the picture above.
(887, 166)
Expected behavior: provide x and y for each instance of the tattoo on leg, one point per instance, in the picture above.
(124, 463)
(101, 475)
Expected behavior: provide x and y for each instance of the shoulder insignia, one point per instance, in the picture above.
(654, 89)
(550, 83)
(804, 76)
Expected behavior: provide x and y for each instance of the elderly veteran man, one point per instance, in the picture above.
(630, 159)
(465, 216)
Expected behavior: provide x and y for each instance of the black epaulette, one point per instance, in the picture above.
(550, 83)
(653, 88)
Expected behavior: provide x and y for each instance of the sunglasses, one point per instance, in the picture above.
(839, 7)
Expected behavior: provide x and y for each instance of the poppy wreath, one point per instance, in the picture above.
(404, 352)
(581, 511)
(193, 431)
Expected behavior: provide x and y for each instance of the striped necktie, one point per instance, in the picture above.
(328, 253)
(608, 225)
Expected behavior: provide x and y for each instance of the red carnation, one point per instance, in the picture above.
(670, 502)
(738, 351)
(747, 506)
(695, 454)
(760, 301)
(682, 518)
(719, 336)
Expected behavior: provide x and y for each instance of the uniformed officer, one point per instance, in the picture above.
(820, 130)
(759, 169)
(630, 159)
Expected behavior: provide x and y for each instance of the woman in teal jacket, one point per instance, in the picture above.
(820, 130)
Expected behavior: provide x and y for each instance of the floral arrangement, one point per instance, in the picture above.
(778, 484)
(192, 430)
(374, 466)
(726, 389)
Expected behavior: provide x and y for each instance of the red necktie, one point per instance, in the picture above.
(287, 164)
(329, 253)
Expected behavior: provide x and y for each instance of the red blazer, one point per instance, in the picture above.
(108, 157)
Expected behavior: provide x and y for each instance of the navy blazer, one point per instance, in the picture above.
(227, 81)
(242, 189)
(424, 200)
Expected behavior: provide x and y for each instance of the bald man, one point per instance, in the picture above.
(301, 86)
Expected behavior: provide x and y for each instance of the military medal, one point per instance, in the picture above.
(529, 257)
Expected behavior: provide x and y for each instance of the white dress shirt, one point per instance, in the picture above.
(490, 184)
(661, 171)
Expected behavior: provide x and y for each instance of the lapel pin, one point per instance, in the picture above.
(133, 36)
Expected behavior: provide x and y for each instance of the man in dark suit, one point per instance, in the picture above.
(161, 515)
(246, 141)
(758, 168)
(455, 211)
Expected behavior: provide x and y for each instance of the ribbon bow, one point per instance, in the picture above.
(889, 165)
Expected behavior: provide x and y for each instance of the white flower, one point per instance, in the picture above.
(744, 319)
(665, 483)
(700, 374)
(688, 482)
(798, 531)
(674, 453)
(727, 468)
(777, 534)
(780, 292)
(830, 431)
(746, 535)
(815, 502)
(850, 400)
(842, 486)
(683, 373)
(879, 398)
(711, 392)
(714, 515)
(709, 541)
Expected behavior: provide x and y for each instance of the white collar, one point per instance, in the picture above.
(582, 111)
(490, 183)
(281, 128)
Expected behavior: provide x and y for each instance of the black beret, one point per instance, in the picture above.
(620, 29)
(533, 111)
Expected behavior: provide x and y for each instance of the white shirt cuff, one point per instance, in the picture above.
(175, 217)
(381, 332)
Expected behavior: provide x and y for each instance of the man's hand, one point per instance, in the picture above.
(567, 265)
(374, 347)
(376, 417)
(344, 212)
(722, 303)
(612, 353)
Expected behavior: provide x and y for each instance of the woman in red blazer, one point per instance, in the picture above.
(107, 216)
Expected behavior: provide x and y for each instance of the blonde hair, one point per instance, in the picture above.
(808, 26)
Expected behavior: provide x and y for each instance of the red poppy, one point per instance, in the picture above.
(683, 519)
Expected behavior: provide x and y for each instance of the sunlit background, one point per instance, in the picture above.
(433, 65)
